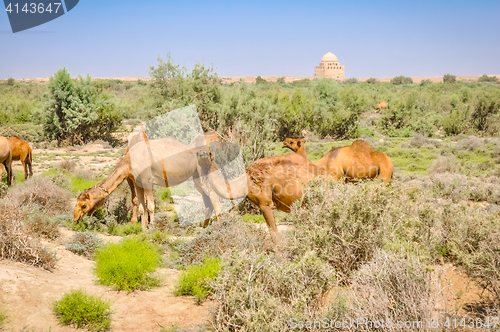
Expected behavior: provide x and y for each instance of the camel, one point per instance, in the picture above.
(270, 183)
(6, 159)
(21, 151)
(353, 162)
(381, 105)
(164, 162)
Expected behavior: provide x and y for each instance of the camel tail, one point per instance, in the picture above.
(28, 158)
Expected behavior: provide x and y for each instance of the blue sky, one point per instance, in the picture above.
(371, 39)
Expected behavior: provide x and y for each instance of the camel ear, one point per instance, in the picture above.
(87, 196)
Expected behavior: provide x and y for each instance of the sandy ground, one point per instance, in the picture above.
(251, 79)
(26, 292)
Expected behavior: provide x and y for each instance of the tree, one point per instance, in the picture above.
(448, 78)
(487, 79)
(78, 111)
(371, 80)
(398, 80)
(281, 81)
(260, 80)
(10, 81)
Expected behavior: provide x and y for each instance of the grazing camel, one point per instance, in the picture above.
(21, 151)
(164, 162)
(356, 161)
(271, 183)
(6, 159)
(381, 105)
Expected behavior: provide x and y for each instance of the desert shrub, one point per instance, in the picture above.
(196, 278)
(127, 265)
(164, 223)
(42, 192)
(341, 223)
(484, 108)
(78, 111)
(448, 78)
(83, 310)
(470, 143)
(401, 292)
(371, 80)
(16, 242)
(272, 292)
(418, 140)
(221, 237)
(84, 174)
(352, 80)
(281, 81)
(87, 223)
(398, 80)
(84, 243)
(3, 189)
(487, 79)
(444, 164)
(41, 224)
(68, 165)
(10, 81)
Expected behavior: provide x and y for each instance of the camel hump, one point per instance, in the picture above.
(361, 145)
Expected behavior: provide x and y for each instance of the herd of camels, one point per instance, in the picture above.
(270, 183)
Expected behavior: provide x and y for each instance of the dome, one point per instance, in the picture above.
(329, 57)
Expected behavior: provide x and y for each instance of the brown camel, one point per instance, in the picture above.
(381, 105)
(164, 162)
(356, 161)
(271, 183)
(21, 151)
(6, 159)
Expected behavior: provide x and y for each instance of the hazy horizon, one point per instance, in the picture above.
(387, 39)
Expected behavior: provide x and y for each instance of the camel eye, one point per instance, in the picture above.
(84, 206)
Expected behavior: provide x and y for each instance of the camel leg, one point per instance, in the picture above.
(142, 204)
(210, 199)
(29, 165)
(134, 200)
(25, 169)
(8, 167)
(386, 170)
(267, 212)
(150, 204)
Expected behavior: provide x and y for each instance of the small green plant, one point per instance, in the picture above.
(194, 280)
(2, 317)
(253, 218)
(126, 265)
(83, 310)
(125, 229)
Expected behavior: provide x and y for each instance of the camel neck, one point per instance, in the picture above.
(117, 176)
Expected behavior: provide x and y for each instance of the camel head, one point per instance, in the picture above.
(88, 202)
(294, 144)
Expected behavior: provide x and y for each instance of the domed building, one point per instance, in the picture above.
(329, 67)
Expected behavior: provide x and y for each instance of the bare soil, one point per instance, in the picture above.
(27, 293)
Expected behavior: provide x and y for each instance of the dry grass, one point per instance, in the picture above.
(16, 242)
(444, 164)
(42, 192)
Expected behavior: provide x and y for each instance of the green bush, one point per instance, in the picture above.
(126, 265)
(371, 80)
(10, 81)
(125, 229)
(352, 80)
(260, 80)
(83, 310)
(196, 278)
